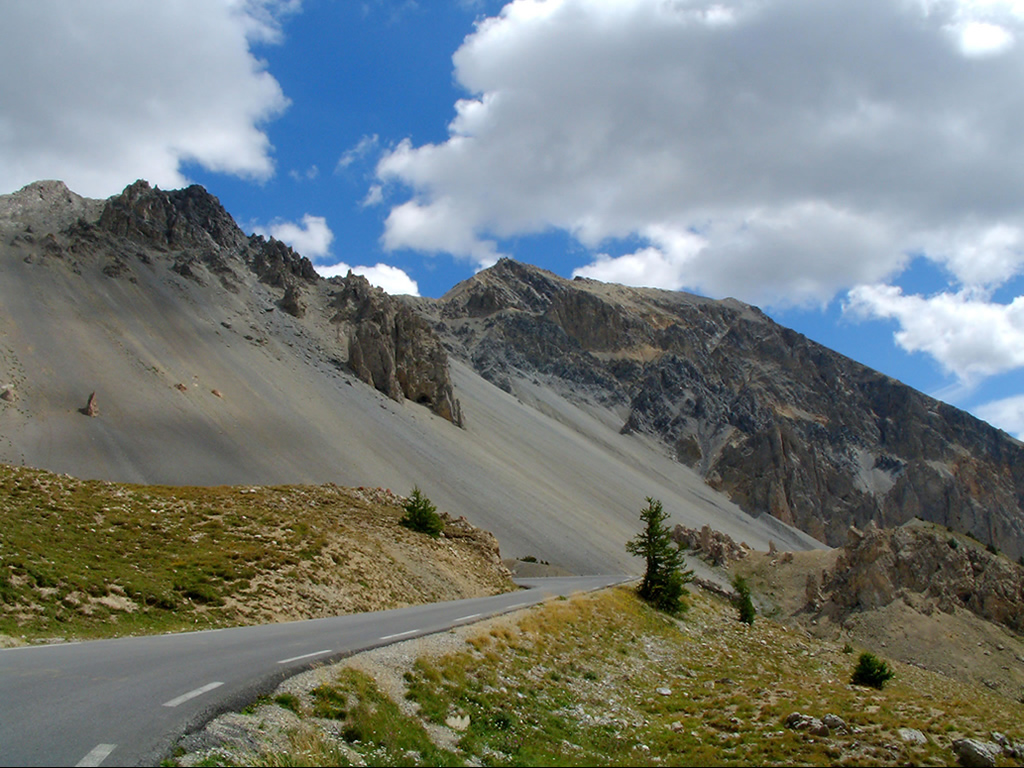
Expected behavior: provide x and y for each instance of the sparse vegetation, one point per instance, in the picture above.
(871, 671)
(84, 559)
(664, 581)
(421, 515)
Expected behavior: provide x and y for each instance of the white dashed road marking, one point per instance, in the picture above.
(97, 755)
(192, 694)
(467, 618)
(400, 634)
(304, 656)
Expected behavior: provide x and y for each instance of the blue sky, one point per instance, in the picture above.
(854, 168)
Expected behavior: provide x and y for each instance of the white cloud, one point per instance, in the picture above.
(312, 237)
(110, 91)
(983, 256)
(362, 148)
(1006, 414)
(392, 279)
(374, 196)
(742, 257)
(780, 151)
(979, 38)
(968, 334)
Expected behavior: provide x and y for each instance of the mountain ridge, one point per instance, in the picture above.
(681, 385)
(212, 367)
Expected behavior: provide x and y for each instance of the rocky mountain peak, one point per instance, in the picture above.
(509, 284)
(183, 218)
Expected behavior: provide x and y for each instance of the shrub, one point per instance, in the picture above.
(664, 580)
(871, 671)
(421, 515)
(289, 701)
(743, 602)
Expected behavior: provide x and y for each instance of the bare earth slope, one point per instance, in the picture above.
(216, 358)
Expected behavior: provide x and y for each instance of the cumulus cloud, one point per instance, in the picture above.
(110, 91)
(392, 279)
(971, 336)
(780, 151)
(312, 237)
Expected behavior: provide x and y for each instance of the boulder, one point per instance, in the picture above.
(801, 722)
(91, 408)
(972, 753)
(912, 736)
(835, 722)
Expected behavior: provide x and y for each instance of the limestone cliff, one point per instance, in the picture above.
(392, 348)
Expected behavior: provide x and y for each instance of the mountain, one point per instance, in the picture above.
(768, 417)
(146, 338)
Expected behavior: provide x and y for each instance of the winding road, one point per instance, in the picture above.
(126, 701)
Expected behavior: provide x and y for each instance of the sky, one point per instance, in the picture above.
(855, 168)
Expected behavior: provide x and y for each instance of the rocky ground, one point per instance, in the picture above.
(921, 594)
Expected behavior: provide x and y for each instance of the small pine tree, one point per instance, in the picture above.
(871, 671)
(664, 581)
(743, 601)
(421, 515)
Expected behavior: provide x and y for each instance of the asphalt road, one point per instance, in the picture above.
(125, 701)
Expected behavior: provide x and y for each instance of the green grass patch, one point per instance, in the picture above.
(89, 559)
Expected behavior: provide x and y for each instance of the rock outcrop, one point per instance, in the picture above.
(780, 423)
(393, 349)
(714, 546)
(936, 571)
(91, 408)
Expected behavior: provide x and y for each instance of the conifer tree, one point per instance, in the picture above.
(421, 515)
(744, 603)
(664, 580)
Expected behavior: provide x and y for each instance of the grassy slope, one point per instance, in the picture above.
(95, 559)
(602, 679)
